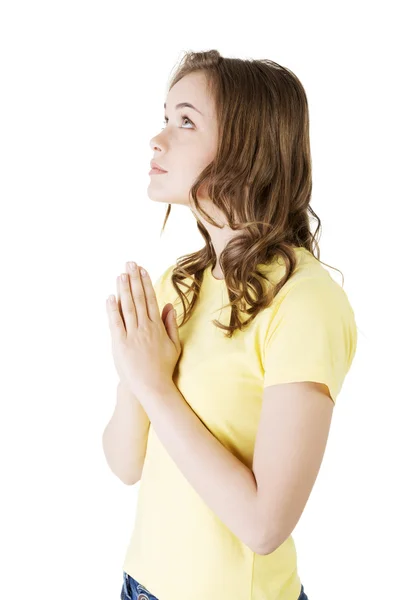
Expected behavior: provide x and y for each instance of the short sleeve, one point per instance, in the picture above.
(312, 336)
(159, 286)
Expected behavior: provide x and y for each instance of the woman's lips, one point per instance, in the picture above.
(157, 172)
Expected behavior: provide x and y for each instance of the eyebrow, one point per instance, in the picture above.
(182, 104)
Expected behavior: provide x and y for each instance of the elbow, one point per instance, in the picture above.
(260, 544)
(262, 549)
(273, 542)
(130, 478)
(268, 542)
(126, 479)
(130, 481)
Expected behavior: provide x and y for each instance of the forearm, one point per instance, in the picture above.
(225, 484)
(125, 437)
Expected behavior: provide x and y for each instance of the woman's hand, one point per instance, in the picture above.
(145, 350)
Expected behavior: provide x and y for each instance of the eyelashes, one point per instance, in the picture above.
(182, 119)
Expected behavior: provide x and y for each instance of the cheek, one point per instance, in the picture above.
(192, 160)
(191, 165)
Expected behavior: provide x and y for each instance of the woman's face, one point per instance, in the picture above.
(185, 146)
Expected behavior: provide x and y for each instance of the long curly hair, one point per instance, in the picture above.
(260, 179)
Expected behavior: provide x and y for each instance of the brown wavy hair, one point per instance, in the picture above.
(260, 179)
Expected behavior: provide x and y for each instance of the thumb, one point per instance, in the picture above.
(172, 327)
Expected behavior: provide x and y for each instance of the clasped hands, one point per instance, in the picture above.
(145, 349)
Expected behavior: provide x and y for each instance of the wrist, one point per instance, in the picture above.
(157, 388)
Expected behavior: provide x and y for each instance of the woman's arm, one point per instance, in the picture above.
(125, 437)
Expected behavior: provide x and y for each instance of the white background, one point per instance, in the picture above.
(82, 91)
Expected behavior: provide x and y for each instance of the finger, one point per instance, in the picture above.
(116, 325)
(128, 306)
(139, 295)
(153, 309)
(164, 312)
(121, 312)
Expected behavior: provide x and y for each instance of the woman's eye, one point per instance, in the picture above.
(183, 117)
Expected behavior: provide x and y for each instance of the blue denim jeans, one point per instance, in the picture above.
(133, 590)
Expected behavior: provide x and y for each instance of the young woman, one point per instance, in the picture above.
(224, 411)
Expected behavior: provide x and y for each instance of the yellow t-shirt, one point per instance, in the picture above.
(179, 549)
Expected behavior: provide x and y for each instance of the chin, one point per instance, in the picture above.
(156, 196)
